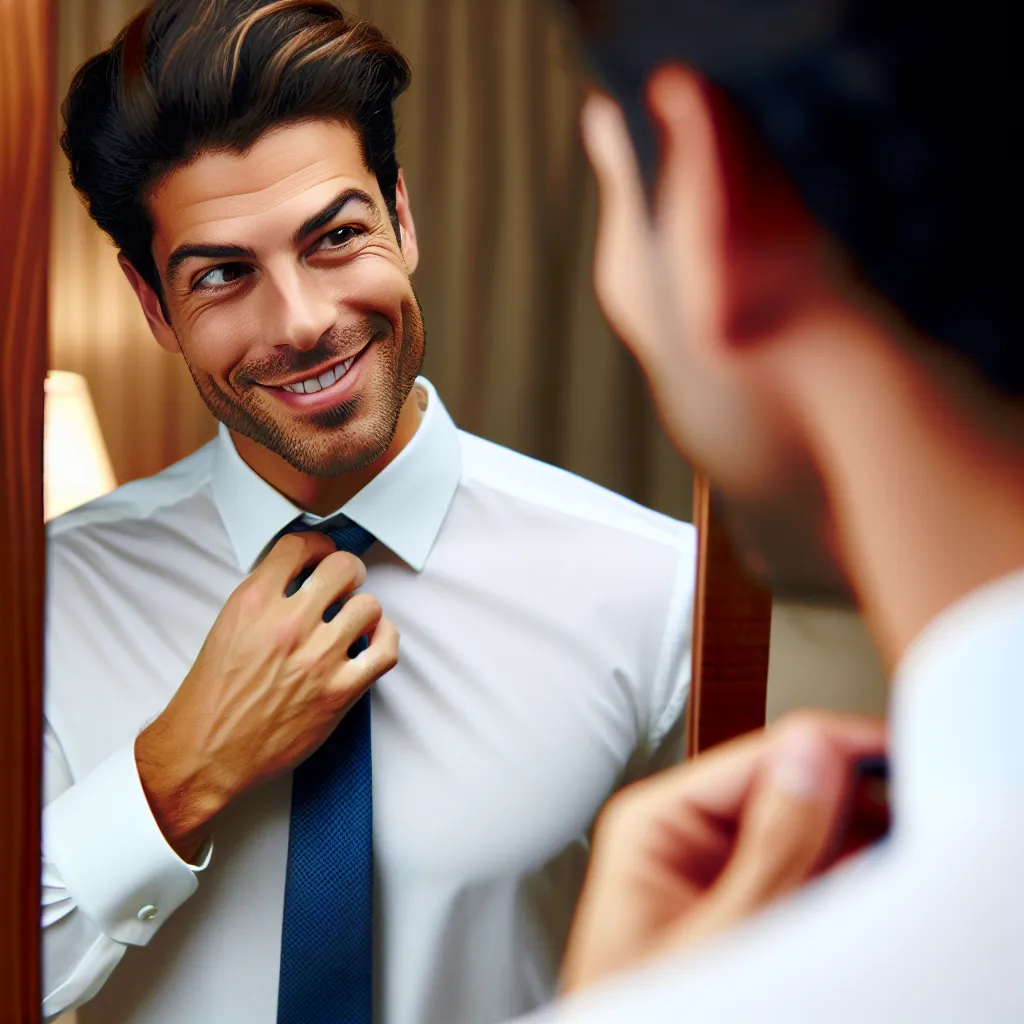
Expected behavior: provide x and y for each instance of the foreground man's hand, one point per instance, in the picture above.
(692, 851)
(270, 684)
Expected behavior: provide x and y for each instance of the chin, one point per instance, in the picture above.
(813, 588)
(333, 449)
(784, 548)
(333, 456)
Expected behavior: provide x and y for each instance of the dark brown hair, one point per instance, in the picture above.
(189, 76)
(897, 122)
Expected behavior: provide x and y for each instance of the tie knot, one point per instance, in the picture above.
(347, 535)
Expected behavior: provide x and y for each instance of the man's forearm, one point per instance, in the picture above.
(177, 789)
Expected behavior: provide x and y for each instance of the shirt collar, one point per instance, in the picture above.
(403, 506)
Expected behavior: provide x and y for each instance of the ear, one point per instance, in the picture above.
(150, 303)
(410, 249)
(745, 248)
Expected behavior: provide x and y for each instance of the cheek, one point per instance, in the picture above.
(220, 337)
(373, 284)
(722, 422)
(635, 295)
(626, 284)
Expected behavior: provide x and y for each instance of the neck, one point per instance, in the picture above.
(324, 495)
(928, 504)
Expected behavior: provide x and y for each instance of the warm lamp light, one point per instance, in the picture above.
(75, 460)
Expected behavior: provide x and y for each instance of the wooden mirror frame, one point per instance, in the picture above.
(731, 633)
(27, 69)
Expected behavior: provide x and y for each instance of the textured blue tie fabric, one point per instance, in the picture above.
(327, 934)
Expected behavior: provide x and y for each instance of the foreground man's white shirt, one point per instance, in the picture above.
(544, 659)
(928, 927)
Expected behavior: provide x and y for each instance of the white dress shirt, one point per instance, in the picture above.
(926, 928)
(545, 660)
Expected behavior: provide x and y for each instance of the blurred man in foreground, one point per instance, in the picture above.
(818, 272)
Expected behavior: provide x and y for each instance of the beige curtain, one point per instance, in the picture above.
(505, 208)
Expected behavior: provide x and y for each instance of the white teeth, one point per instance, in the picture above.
(325, 380)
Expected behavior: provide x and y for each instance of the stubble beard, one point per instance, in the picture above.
(327, 443)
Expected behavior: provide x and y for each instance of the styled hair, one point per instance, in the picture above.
(897, 121)
(191, 76)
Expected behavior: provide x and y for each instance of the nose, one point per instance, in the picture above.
(303, 311)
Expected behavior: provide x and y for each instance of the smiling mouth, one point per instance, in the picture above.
(317, 382)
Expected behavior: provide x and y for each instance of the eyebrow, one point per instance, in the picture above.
(191, 250)
(330, 211)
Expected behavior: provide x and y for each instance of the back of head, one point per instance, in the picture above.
(896, 123)
(188, 76)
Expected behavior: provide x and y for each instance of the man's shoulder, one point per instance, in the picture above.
(133, 504)
(564, 494)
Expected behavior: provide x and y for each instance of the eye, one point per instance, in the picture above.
(338, 237)
(218, 277)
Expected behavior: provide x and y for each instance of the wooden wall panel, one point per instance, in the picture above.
(732, 630)
(26, 130)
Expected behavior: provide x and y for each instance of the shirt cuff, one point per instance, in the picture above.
(112, 856)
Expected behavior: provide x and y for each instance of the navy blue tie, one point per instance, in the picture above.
(327, 935)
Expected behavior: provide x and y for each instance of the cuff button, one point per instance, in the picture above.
(147, 913)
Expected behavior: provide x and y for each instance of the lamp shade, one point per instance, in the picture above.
(76, 466)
